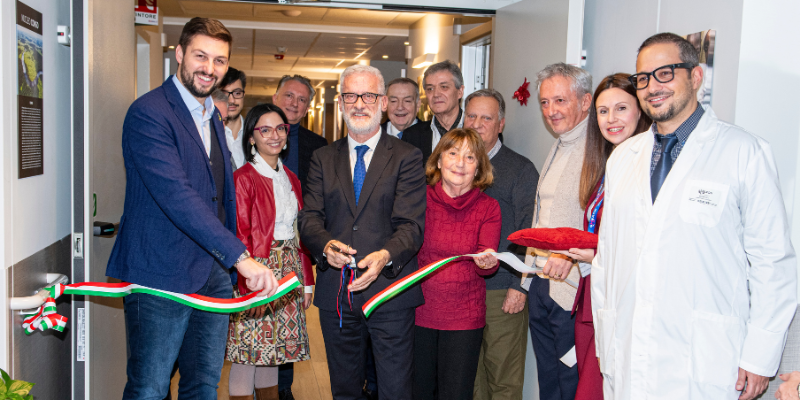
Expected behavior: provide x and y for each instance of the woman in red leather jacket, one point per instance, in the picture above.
(268, 199)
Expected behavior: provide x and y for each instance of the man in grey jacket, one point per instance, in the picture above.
(501, 367)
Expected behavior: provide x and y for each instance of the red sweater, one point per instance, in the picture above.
(455, 295)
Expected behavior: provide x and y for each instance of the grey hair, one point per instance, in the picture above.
(687, 52)
(219, 95)
(363, 69)
(406, 81)
(448, 66)
(581, 79)
(489, 93)
(299, 78)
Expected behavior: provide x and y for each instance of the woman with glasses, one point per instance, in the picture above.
(614, 117)
(459, 219)
(268, 198)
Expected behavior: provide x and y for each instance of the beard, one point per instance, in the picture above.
(678, 105)
(362, 127)
(188, 82)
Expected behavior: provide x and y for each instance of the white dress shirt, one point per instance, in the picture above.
(201, 113)
(235, 145)
(352, 144)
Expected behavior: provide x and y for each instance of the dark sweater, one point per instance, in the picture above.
(455, 295)
(514, 187)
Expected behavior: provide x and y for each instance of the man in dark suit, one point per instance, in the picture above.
(177, 228)
(402, 106)
(444, 88)
(366, 200)
(293, 95)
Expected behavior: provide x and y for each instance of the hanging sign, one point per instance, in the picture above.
(29, 96)
(146, 12)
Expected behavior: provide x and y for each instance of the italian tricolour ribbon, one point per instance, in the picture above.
(46, 317)
(403, 284)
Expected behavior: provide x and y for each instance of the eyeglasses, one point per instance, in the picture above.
(367, 98)
(267, 130)
(237, 94)
(661, 74)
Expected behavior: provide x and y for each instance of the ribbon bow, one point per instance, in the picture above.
(522, 93)
(45, 316)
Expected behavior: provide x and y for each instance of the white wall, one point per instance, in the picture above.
(433, 34)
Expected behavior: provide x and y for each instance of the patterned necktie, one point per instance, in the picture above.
(664, 164)
(360, 171)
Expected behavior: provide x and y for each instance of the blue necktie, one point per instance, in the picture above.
(664, 163)
(360, 171)
(400, 135)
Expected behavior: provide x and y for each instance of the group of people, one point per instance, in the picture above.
(689, 293)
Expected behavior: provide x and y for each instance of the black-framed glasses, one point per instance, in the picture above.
(236, 93)
(661, 74)
(266, 130)
(367, 98)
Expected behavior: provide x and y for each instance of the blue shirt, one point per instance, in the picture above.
(682, 133)
(292, 160)
(202, 120)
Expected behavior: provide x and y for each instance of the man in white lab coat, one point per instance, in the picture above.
(694, 283)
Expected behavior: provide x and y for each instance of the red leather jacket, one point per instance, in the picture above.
(255, 212)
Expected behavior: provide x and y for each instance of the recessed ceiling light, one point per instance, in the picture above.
(406, 43)
(385, 56)
(171, 47)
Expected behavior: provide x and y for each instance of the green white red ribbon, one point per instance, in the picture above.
(46, 317)
(403, 284)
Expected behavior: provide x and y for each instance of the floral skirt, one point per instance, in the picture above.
(280, 336)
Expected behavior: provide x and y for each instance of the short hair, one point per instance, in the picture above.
(581, 79)
(489, 93)
(298, 78)
(407, 81)
(484, 176)
(448, 66)
(250, 126)
(363, 69)
(688, 53)
(233, 75)
(207, 27)
(219, 95)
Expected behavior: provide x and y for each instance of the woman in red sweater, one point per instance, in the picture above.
(614, 117)
(459, 219)
(268, 198)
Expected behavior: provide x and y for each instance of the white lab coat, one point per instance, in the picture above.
(672, 312)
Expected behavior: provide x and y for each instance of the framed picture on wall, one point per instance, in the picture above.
(704, 43)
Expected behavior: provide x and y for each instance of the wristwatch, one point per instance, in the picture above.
(242, 257)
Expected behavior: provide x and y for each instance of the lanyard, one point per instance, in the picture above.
(596, 205)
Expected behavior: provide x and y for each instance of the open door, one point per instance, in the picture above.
(104, 86)
(527, 36)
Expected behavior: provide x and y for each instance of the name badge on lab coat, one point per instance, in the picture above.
(702, 202)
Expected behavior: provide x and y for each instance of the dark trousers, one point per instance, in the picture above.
(392, 336)
(445, 363)
(161, 331)
(285, 377)
(553, 335)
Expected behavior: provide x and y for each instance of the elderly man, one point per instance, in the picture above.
(564, 98)
(444, 87)
(694, 283)
(232, 86)
(293, 97)
(402, 107)
(363, 219)
(501, 367)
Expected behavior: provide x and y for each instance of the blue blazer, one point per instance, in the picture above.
(170, 233)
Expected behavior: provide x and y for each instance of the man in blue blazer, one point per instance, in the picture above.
(177, 232)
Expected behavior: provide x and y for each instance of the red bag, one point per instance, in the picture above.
(554, 238)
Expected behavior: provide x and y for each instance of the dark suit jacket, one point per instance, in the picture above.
(309, 142)
(390, 215)
(170, 233)
(420, 136)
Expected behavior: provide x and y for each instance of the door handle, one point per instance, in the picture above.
(36, 300)
(105, 229)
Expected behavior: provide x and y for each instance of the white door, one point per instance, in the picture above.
(528, 36)
(104, 86)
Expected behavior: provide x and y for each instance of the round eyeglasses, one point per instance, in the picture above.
(367, 98)
(267, 130)
(237, 93)
(661, 74)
